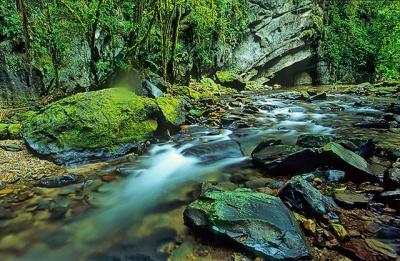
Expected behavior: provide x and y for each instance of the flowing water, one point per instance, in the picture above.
(140, 214)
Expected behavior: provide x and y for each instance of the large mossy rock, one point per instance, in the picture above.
(173, 110)
(259, 223)
(230, 80)
(92, 125)
(10, 131)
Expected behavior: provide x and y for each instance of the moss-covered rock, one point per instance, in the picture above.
(10, 131)
(91, 125)
(14, 131)
(173, 110)
(3, 130)
(259, 223)
(230, 80)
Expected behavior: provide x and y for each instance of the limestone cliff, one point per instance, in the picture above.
(281, 41)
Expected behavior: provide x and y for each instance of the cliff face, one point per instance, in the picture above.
(276, 46)
(16, 79)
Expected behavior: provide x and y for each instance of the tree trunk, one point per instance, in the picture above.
(53, 46)
(25, 24)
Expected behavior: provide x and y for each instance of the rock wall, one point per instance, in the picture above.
(16, 79)
(276, 45)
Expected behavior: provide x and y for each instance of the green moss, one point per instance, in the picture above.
(3, 131)
(93, 120)
(214, 203)
(226, 76)
(172, 109)
(14, 131)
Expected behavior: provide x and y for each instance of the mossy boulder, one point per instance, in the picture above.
(230, 80)
(93, 125)
(173, 110)
(10, 131)
(259, 223)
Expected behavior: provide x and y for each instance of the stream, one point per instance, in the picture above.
(138, 215)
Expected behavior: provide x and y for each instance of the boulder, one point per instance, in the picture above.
(230, 80)
(336, 156)
(285, 159)
(10, 131)
(306, 199)
(152, 90)
(349, 199)
(173, 110)
(91, 126)
(259, 223)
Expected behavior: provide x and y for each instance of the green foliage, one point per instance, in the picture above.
(87, 41)
(361, 40)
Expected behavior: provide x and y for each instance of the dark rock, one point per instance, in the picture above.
(350, 199)
(314, 140)
(58, 181)
(259, 223)
(285, 159)
(373, 123)
(367, 150)
(318, 97)
(277, 185)
(215, 151)
(330, 176)
(305, 198)
(259, 183)
(392, 198)
(337, 157)
(6, 213)
(392, 178)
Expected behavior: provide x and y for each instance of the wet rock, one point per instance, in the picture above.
(11, 147)
(373, 123)
(392, 178)
(318, 97)
(259, 223)
(58, 181)
(357, 249)
(330, 176)
(314, 140)
(367, 150)
(214, 151)
(350, 199)
(6, 213)
(306, 199)
(285, 159)
(381, 247)
(392, 198)
(259, 183)
(336, 156)
(339, 231)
